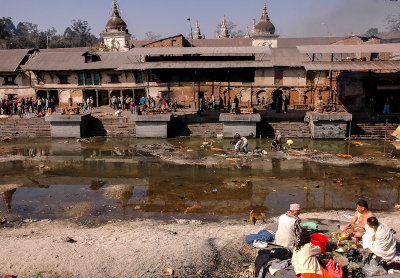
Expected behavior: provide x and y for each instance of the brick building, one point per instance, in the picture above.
(260, 67)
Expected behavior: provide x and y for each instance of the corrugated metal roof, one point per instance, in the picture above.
(11, 59)
(196, 65)
(226, 42)
(198, 50)
(353, 65)
(362, 48)
(293, 42)
(389, 35)
(284, 57)
(64, 61)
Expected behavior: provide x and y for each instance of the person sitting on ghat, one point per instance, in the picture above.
(289, 228)
(356, 228)
(383, 241)
(304, 259)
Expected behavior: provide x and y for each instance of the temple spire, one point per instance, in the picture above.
(115, 11)
(265, 16)
(254, 26)
(224, 32)
(197, 32)
(247, 35)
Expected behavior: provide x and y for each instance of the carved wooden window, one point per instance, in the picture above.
(278, 81)
(9, 80)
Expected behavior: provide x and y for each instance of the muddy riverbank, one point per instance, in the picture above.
(143, 248)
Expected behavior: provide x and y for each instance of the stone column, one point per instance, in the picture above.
(97, 98)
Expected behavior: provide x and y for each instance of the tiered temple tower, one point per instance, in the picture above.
(264, 32)
(116, 35)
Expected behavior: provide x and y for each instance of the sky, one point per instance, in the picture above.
(292, 18)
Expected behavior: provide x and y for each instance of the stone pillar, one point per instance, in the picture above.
(109, 97)
(97, 98)
(328, 126)
(244, 124)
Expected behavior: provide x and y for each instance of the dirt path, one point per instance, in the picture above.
(141, 248)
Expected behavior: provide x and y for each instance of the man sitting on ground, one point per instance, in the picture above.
(356, 228)
(383, 242)
(289, 228)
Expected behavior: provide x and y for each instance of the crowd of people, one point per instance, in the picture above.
(24, 107)
(128, 103)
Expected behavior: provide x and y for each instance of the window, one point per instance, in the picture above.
(89, 78)
(114, 78)
(139, 77)
(96, 78)
(9, 80)
(173, 42)
(63, 79)
(80, 79)
(278, 81)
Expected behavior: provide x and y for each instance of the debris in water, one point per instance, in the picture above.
(190, 208)
(383, 201)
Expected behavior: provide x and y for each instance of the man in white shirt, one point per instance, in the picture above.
(289, 228)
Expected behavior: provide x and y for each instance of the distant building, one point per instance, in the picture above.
(223, 32)
(116, 35)
(264, 31)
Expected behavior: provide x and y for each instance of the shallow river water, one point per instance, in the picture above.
(112, 179)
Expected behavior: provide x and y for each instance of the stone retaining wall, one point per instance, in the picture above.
(124, 127)
(16, 127)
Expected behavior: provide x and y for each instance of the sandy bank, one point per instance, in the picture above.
(141, 248)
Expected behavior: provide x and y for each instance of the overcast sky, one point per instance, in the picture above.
(292, 18)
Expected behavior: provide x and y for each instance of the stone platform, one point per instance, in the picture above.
(68, 126)
(152, 126)
(245, 124)
(328, 125)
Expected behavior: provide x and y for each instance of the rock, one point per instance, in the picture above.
(167, 271)
(70, 240)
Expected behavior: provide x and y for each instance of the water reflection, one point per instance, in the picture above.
(120, 182)
(7, 198)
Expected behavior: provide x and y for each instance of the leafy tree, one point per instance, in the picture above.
(78, 34)
(151, 36)
(371, 32)
(393, 22)
(7, 28)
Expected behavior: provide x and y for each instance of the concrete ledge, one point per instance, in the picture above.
(152, 126)
(239, 118)
(245, 124)
(152, 118)
(343, 116)
(68, 126)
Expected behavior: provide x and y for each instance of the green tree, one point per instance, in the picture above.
(79, 34)
(151, 36)
(371, 32)
(393, 22)
(7, 28)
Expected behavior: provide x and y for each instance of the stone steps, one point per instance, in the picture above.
(16, 127)
(287, 129)
(372, 131)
